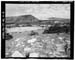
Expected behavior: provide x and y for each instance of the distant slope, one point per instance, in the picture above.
(60, 19)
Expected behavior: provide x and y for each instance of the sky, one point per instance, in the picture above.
(40, 11)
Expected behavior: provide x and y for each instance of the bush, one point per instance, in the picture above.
(8, 36)
(33, 33)
(57, 29)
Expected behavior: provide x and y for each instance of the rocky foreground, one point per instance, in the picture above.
(42, 45)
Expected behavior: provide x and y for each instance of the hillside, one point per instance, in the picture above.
(21, 19)
(29, 20)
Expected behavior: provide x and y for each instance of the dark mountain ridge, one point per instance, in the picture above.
(21, 19)
(33, 20)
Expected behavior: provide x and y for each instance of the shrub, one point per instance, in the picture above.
(8, 36)
(57, 29)
(33, 33)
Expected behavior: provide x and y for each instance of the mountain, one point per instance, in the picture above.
(21, 19)
(33, 20)
(60, 19)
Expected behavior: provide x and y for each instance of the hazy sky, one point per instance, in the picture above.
(41, 11)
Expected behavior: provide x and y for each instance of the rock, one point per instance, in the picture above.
(27, 49)
(32, 40)
(17, 54)
(34, 54)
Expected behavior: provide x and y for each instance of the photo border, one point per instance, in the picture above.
(3, 24)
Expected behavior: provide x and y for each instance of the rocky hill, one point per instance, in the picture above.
(30, 18)
(21, 19)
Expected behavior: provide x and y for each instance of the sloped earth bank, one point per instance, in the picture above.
(42, 45)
